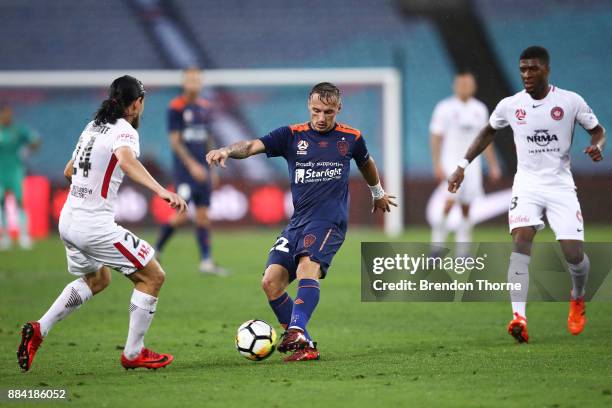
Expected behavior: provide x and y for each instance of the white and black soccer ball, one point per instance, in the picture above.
(255, 340)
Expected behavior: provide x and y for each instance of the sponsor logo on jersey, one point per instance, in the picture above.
(541, 137)
(309, 240)
(515, 219)
(323, 143)
(188, 115)
(302, 146)
(520, 114)
(556, 113)
(311, 175)
(343, 147)
(144, 251)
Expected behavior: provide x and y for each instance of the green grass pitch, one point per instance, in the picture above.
(383, 354)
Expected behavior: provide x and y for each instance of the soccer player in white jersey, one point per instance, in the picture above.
(455, 123)
(542, 118)
(107, 149)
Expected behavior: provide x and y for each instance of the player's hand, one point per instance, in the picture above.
(198, 172)
(595, 152)
(383, 204)
(455, 180)
(439, 174)
(494, 173)
(217, 157)
(174, 200)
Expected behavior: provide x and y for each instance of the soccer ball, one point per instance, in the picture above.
(255, 340)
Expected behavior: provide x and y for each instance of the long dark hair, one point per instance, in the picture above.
(122, 92)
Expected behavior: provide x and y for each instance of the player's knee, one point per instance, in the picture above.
(574, 258)
(273, 288)
(98, 281)
(158, 278)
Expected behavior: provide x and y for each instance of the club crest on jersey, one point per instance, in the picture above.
(520, 114)
(302, 146)
(309, 240)
(343, 147)
(556, 113)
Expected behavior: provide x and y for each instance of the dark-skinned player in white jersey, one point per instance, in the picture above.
(543, 118)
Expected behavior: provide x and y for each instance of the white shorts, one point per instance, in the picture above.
(561, 207)
(471, 187)
(114, 246)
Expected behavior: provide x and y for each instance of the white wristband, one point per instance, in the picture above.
(463, 163)
(377, 191)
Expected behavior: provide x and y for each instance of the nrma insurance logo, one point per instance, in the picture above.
(313, 176)
(541, 137)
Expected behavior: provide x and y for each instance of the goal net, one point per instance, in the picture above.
(248, 104)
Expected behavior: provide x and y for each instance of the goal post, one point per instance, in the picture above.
(388, 79)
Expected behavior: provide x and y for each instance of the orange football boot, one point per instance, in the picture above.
(147, 359)
(517, 328)
(31, 339)
(576, 318)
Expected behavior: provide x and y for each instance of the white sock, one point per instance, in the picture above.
(580, 275)
(72, 297)
(439, 230)
(518, 272)
(142, 309)
(463, 237)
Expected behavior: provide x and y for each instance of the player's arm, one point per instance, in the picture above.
(598, 141)
(484, 139)
(238, 150)
(381, 200)
(136, 171)
(197, 171)
(68, 170)
(435, 140)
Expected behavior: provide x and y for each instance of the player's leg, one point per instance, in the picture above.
(518, 276)
(463, 235)
(565, 217)
(202, 222)
(143, 304)
(25, 242)
(5, 239)
(439, 227)
(470, 190)
(167, 230)
(74, 295)
(274, 284)
(525, 219)
(279, 273)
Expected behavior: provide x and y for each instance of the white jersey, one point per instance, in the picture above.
(96, 177)
(458, 123)
(543, 132)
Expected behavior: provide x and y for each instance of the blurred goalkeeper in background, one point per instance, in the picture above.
(189, 118)
(15, 142)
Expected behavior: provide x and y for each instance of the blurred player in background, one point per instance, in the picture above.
(15, 142)
(318, 153)
(455, 123)
(543, 118)
(189, 118)
(94, 242)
